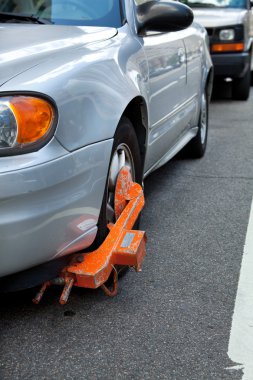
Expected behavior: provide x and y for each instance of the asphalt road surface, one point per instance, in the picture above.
(172, 320)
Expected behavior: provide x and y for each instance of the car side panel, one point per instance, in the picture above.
(165, 54)
(181, 90)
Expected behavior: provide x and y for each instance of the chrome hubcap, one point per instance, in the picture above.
(121, 157)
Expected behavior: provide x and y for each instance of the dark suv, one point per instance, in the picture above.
(229, 24)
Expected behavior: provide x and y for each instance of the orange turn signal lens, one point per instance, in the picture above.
(220, 48)
(34, 118)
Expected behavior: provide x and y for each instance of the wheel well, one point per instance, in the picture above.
(136, 112)
(209, 84)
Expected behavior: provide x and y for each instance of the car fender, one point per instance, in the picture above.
(91, 86)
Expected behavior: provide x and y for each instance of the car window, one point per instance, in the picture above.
(74, 12)
(215, 3)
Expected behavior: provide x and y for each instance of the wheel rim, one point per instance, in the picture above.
(203, 120)
(122, 157)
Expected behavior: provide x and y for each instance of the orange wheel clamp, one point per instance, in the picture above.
(122, 246)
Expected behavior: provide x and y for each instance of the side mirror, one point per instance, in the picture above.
(163, 16)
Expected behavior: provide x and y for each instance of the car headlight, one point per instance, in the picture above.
(8, 126)
(26, 123)
(227, 34)
(227, 40)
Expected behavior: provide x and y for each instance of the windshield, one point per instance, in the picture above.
(215, 3)
(68, 12)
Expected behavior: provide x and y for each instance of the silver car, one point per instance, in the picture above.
(86, 87)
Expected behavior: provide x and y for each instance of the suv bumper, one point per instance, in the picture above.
(232, 65)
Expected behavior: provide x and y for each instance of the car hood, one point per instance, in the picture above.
(26, 46)
(212, 18)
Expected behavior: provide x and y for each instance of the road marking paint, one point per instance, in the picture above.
(235, 367)
(240, 349)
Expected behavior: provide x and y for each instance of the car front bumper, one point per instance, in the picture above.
(232, 65)
(49, 203)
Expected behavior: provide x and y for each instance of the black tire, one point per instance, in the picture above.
(124, 138)
(197, 146)
(241, 86)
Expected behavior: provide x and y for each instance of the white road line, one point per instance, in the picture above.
(240, 349)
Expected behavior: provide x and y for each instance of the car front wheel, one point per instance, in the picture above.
(125, 152)
(241, 86)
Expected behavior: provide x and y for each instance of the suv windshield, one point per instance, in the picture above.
(215, 3)
(67, 12)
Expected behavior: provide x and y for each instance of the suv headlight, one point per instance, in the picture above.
(26, 123)
(227, 40)
(227, 34)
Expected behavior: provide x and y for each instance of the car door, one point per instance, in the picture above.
(194, 53)
(166, 57)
